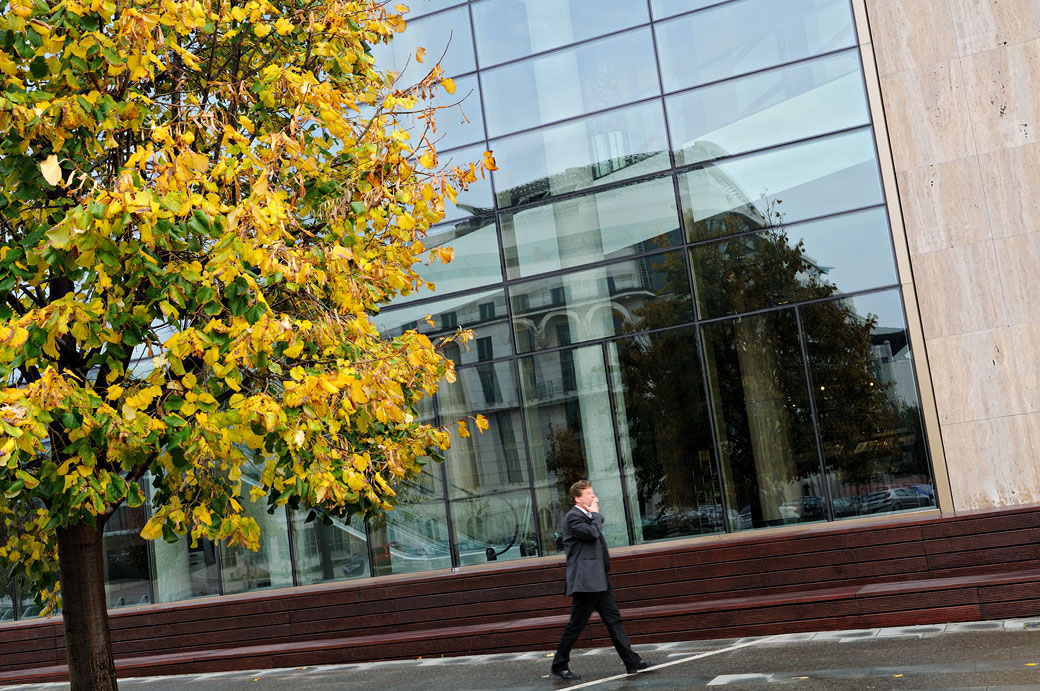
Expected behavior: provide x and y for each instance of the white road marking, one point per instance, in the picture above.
(676, 662)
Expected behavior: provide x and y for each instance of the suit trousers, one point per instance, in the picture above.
(582, 607)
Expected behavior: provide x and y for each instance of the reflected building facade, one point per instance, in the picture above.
(682, 284)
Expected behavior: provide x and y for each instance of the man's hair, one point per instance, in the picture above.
(578, 487)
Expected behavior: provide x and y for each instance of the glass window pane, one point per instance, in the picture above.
(244, 570)
(414, 536)
(6, 600)
(459, 120)
(593, 76)
(448, 30)
(485, 313)
(476, 262)
(540, 25)
(866, 399)
(603, 225)
(794, 183)
(183, 572)
(329, 552)
(577, 155)
(665, 434)
(708, 46)
(29, 607)
(571, 438)
(629, 296)
(487, 473)
(767, 448)
(127, 569)
(804, 261)
(781, 105)
(474, 201)
(417, 8)
(670, 8)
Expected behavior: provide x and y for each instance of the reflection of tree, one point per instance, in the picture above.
(565, 457)
(757, 375)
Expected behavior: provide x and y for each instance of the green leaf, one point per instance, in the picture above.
(358, 207)
(38, 67)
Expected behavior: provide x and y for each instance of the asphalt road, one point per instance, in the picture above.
(999, 655)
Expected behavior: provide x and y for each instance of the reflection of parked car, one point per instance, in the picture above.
(844, 507)
(813, 509)
(355, 565)
(894, 499)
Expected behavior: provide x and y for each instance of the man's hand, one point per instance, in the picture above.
(594, 506)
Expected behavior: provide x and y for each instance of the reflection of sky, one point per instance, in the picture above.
(886, 305)
(478, 197)
(592, 76)
(667, 8)
(761, 110)
(704, 47)
(539, 25)
(476, 261)
(856, 248)
(432, 33)
(420, 7)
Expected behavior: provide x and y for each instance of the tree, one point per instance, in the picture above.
(196, 222)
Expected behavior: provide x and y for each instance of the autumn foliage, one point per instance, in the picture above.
(201, 202)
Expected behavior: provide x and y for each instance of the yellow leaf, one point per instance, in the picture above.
(51, 170)
(463, 430)
(482, 423)
(420, 52)
(489, 161)
(59, 236)
(114, 392)
(152, 530)
(261, 30)
(449, 85)
(401, 8)
(283, 26)
(406, 222)
(293, 350)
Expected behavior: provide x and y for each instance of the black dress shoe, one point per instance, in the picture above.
(639, 666)
(564, 674)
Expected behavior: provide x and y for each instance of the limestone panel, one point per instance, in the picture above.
(1018, 259)
(943, 205)
(1011, 178)
(910, 34)
(958, 290)
(986, 24)
(993, 462)
(976, 377)
(1002, 96)
(1025, 338)
(927, 114)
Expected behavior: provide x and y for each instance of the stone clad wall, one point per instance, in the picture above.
(960, 86)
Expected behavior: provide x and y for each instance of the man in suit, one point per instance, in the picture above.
(587, 584)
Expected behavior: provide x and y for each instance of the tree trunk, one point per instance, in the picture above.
(87, 642)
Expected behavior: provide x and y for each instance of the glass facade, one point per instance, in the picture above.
(682, 284)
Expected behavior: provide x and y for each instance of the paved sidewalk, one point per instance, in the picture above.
(995, 655)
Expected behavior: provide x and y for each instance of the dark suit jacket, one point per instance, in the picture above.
(587, 559)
